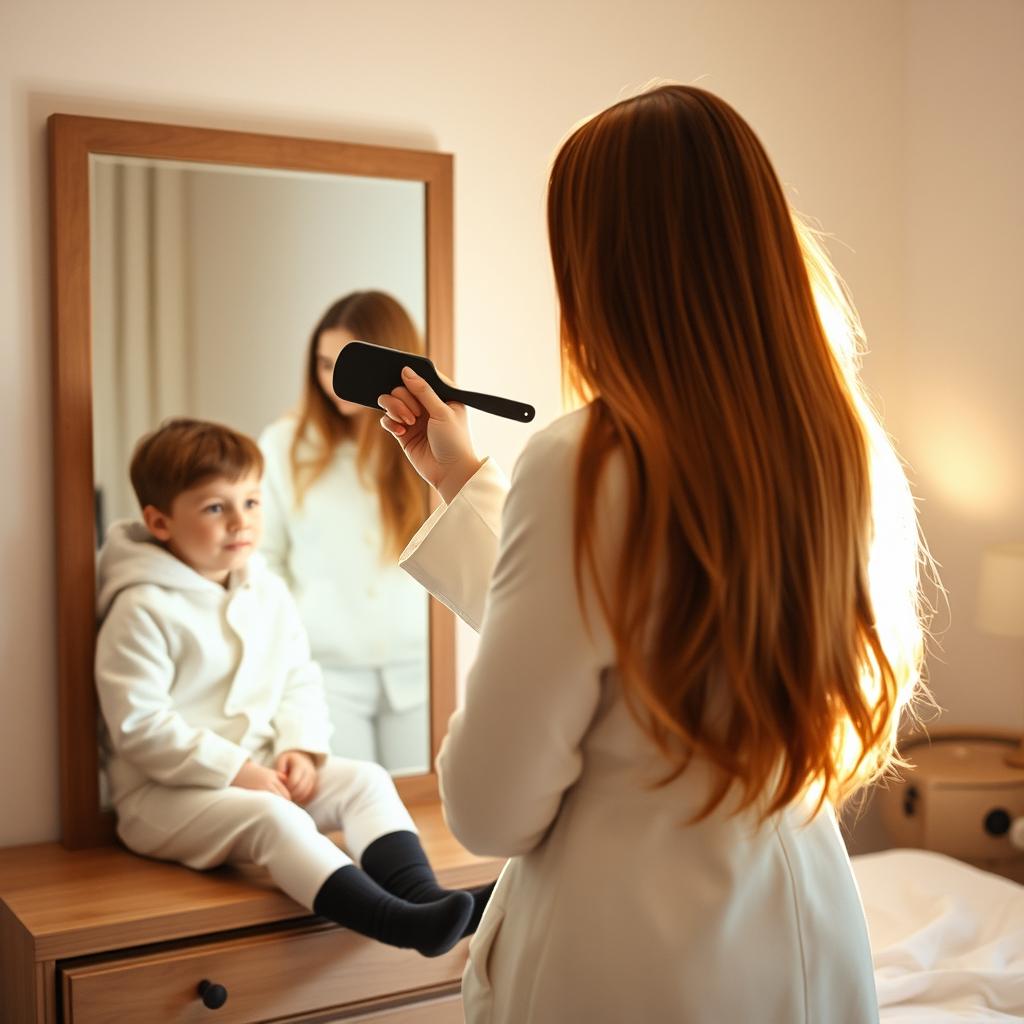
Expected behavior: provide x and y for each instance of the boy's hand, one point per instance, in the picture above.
(299, 773)
(254, 776)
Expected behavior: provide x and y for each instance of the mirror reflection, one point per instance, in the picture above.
(225, 294)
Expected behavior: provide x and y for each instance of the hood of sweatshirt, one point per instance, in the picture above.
(131, 556)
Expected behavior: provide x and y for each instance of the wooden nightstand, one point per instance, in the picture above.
(960, 798)
(101, 936)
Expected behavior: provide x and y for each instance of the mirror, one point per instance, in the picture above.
(206, 283)
(190, 269)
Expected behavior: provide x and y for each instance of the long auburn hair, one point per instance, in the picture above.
(378, 318)
(772, 534)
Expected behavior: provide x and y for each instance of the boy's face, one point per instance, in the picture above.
(214, 527)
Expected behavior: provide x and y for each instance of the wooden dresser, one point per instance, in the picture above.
(104, 936)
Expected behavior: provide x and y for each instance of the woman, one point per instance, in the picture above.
(340, 503)
(702, 623)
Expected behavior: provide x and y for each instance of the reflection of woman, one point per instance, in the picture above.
(701, 616)
(340, 502)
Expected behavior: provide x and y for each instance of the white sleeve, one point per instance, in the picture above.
(302, 720)
(513, 749)
(134, 675)
(453, 553)
(276, 543)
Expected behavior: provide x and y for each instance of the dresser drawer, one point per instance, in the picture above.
(955, 820)
(266, 977)
(447, 1010)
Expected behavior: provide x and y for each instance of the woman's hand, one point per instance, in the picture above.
(299, 773)
(254, 776)
(433, 435)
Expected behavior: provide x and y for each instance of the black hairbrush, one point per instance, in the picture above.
(364, 372)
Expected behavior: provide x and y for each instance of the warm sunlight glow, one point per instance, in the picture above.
(893, 569)
(966, 459)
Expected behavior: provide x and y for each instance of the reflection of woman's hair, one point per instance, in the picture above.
(378, 318)
(772, 534)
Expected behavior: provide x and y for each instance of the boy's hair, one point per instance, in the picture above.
(182, 453)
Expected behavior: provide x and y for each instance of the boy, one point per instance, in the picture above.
(215, 714)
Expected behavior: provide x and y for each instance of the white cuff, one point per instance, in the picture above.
(215, 764)
(453, 553)
(299, 736)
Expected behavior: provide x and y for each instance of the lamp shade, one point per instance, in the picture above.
(1001, 590)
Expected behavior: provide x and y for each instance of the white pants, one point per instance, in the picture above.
(369, 727)
(206, 827)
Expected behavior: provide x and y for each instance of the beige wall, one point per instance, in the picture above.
(961, 423)
(253, 303)
(955, 397)
(824, 83)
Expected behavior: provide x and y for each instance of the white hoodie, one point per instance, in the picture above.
(195, 678)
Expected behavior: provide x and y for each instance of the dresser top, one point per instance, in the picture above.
(73, 902)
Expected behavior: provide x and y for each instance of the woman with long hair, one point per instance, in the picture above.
(703, 619)
(340, 503)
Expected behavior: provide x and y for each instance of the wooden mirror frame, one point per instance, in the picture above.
(84, 823)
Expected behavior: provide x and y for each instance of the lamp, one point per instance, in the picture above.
(1001, 603)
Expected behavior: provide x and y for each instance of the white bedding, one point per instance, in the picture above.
(948, 939)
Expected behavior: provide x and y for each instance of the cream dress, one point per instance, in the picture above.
(366, 620)
(611, 909)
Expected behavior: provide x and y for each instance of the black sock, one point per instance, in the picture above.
(398, 863)
(481, 894)
(355, 900)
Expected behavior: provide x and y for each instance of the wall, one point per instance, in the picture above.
(961, 421)
(260, 284)
(953, 398)
(498, 86)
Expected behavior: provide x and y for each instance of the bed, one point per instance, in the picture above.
(948, 939)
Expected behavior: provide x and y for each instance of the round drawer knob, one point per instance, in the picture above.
(213, 996)
(910, 801)
(997, 822)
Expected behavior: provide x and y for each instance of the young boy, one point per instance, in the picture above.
(216, 716)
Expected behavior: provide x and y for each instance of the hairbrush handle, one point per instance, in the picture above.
(487, 403)
(364, 371)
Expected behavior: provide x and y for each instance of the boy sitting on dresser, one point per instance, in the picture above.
(215, 713)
